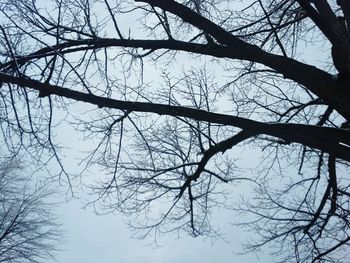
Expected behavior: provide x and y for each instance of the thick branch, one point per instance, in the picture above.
(331, 140)
(345, 6)
(327, 22)
(195, 19)
(315, 80)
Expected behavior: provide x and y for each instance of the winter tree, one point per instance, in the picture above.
(170, 96)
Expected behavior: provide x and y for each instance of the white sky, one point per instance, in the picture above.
(91, 238)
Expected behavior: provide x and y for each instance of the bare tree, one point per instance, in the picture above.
(171, 88)
(28, 231)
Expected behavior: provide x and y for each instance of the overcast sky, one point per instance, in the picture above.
(91, 238)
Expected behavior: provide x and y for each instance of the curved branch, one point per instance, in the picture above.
(208, 154)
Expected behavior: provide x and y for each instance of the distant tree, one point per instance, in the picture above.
(166, 91)
(28, 231)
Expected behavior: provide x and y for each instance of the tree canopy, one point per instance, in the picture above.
(167, 94)
(28, 229)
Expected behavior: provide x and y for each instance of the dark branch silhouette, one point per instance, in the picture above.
(166, 102)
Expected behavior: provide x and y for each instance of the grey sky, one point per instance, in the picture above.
(107, 239)
(92, 238)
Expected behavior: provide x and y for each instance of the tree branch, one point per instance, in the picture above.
(323, 85)
(330, 140)
(208, 154)
(317, 81)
